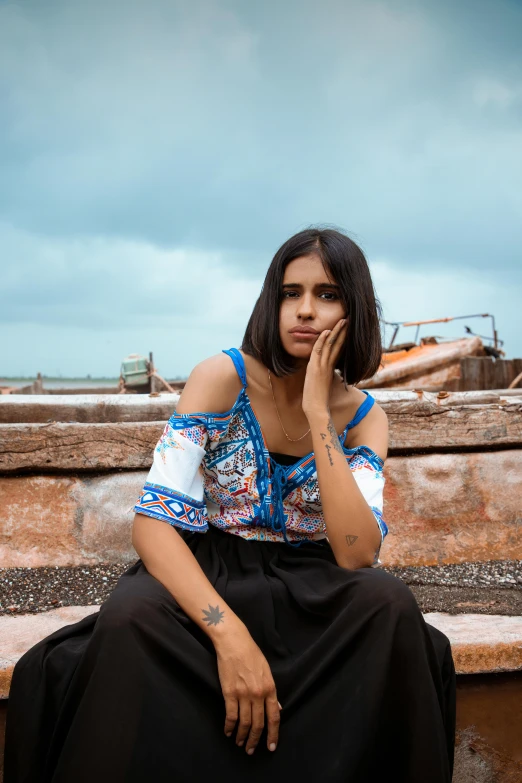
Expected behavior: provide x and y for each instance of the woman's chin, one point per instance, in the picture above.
(299, 350)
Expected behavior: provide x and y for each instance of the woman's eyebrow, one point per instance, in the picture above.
(319, 285)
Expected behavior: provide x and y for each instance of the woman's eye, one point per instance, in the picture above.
(329, 296)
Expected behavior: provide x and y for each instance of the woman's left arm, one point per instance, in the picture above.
(351, 526)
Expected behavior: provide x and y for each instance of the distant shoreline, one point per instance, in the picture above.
(51, 382)
(62, 383)
(32, 378)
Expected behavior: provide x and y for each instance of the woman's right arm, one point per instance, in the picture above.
(246, 680)
(168, 558)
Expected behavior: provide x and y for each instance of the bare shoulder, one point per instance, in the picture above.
(372, 430)
(212, 386)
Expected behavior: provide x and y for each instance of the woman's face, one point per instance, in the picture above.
(311, 304)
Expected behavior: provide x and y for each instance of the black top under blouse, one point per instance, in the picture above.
(284, 459)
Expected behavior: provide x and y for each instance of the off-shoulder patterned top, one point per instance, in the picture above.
(215, 468)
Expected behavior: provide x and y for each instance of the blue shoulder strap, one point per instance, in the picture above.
(361, 412)
(239, 364)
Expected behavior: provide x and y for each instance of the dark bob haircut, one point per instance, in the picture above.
(345, 263)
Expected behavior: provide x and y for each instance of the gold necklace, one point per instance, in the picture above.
(279, 417)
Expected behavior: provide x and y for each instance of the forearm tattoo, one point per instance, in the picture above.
(327, 447)
(334, 438)
(334, 442)
(213, 616)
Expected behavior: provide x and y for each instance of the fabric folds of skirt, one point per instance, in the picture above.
(131, 693)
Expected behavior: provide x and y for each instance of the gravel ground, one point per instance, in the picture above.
(492, 573)
(493, 587)
(25, 590)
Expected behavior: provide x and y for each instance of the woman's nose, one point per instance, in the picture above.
(306, 307)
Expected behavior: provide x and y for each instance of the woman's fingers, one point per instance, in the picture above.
(329, 341)
(336, 331)
(231, 715)
(258, 721)
(245, 720)
(336, 341)
(273, 716)
(320, 342)
(257, 713)
(246, 682)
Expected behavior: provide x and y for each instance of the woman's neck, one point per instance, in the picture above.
(290, 387)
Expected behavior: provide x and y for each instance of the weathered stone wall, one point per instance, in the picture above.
(453, 508)
(439, 508)
(68, 483)
(65, 520)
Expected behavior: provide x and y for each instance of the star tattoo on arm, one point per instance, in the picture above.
(212, 616)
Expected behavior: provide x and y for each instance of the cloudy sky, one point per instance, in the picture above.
(154, 155)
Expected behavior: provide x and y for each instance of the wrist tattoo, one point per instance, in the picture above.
(328, 449)
(334, 438)
(350, 540)
(213, 616)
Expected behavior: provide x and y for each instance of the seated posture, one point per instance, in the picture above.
(258, 637)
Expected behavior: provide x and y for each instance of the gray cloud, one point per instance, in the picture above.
(130, 132)
(104, 283)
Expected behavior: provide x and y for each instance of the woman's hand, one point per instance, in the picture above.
(320, 370)
(248, 689)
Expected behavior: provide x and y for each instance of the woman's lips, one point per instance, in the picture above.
(304, 335)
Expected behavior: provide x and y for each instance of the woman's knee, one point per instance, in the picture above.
(390, 592)
(131, 606)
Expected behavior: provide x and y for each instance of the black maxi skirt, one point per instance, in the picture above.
(131, 693)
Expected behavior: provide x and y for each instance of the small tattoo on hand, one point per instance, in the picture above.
(214, 616)
(351, 540)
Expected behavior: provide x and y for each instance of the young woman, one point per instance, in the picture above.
(255, 638)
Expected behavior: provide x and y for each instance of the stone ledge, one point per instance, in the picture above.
(480, 643)
(19, 634)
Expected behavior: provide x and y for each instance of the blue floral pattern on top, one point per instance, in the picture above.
(215, 468)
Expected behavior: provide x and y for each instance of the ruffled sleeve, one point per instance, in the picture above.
(173, 491)
(367, 469)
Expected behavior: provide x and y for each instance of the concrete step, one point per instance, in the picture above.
(480, 643)
(18, 634)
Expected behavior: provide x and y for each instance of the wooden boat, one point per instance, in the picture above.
(435, 364)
